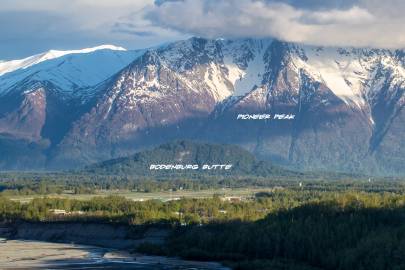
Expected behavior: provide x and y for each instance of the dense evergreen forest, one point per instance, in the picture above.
(242, 162)
(29, 183)
(283, 229)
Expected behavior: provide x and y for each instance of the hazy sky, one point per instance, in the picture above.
(32, 26)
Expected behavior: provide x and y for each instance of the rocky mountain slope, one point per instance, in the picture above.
(348, 104)
(42, 95)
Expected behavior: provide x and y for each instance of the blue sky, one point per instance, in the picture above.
(32, 26)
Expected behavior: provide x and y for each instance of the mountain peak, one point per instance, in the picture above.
(58, 53)
(13, 65)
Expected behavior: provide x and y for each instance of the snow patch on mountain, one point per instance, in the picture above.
(251, 77)
(344, 73)
(244, 60)
(217, 83)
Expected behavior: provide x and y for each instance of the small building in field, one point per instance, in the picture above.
(58, 211)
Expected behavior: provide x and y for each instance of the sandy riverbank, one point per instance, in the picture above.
(22, 254)
(17, 254)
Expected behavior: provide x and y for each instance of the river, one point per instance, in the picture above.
(20, 254)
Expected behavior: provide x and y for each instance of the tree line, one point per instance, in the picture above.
(283, 229)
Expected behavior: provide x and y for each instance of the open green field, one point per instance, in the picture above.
(143, 196)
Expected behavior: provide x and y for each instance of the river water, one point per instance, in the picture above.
(20, 254)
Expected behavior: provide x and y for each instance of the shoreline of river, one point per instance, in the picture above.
(28, 254)
(82, 240)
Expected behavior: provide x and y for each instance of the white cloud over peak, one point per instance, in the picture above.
(33, 26)
(74, 24)
(362, 23)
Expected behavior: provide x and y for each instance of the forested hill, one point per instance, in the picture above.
(171, 160)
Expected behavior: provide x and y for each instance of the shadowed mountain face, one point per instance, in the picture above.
(348, 104)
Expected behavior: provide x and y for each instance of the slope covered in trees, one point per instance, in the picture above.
(185, 153)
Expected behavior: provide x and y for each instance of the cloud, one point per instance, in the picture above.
(360, 23)
(131, 29)
(354, 15)
(318, 4)
(29, 27)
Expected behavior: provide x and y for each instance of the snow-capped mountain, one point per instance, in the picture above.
(9, 66)
(69, 71)
(347, 102)
(41, 96)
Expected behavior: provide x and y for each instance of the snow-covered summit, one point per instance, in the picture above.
(9, 66)
(353, 75)
(227, 68)
(68, 71)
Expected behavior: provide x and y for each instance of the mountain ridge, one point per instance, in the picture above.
(348, 105)
(13, 65)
